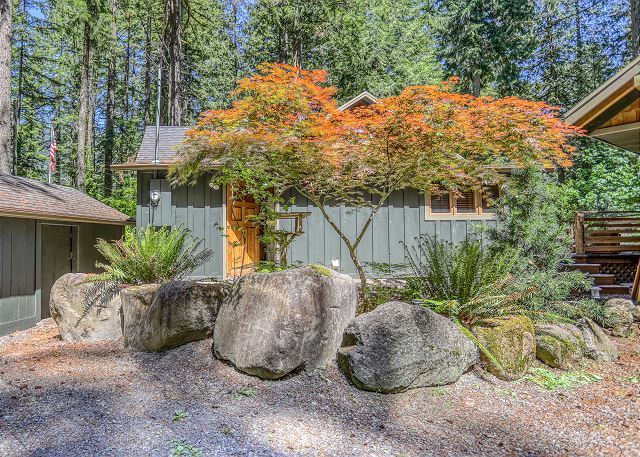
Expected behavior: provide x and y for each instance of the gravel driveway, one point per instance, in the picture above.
(77, 399)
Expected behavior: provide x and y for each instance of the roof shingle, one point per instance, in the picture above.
(22, 197)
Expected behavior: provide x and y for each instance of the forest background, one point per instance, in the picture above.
(88, 69)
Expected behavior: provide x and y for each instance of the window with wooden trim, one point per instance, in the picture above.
(441, 203)
(490, 195)
(466, 203)
(469, 204)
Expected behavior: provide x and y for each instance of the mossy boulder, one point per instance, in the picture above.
(559, 345)
(597, 345)
(507, 344)
(620, 314)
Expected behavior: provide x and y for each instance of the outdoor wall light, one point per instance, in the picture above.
(154, 198)
(214, 186)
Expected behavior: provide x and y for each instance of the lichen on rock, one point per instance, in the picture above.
(508, 345)
(559, 345)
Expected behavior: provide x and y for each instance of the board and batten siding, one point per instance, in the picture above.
(399, 221)
(19, 307)
(197, 207)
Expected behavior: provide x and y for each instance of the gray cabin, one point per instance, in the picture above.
(210, 216)
(46, 231)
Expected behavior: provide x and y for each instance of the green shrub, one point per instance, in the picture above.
(534, 216)
(150, 255)
(458, 272)
(144, 256)
(471, 281)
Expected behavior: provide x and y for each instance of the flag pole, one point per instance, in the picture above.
(50, 161)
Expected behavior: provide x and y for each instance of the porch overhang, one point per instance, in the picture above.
(611, 113)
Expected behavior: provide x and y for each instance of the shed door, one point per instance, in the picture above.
(58, 258)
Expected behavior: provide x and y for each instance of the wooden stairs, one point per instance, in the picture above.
(605, 283)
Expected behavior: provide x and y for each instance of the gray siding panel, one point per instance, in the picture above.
(18, 307)
(198, 208)
(399, 221)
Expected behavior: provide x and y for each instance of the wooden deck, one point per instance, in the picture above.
(607, 248)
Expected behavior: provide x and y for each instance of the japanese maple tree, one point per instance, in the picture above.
(285, 132)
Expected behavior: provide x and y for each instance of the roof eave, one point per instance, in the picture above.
(579, 114)
(140, 166)
(60, 218)
(364, 95)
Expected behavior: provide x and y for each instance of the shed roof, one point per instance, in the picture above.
(28, 198)
(171, 136)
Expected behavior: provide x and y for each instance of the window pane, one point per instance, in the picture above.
(466, 202)
(440, 203)
(489, 196)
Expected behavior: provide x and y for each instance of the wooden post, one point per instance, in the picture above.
(635, 292)
(579, 234)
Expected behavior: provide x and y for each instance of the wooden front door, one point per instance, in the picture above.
(243, 248)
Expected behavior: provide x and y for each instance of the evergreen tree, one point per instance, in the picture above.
(381, 46)
(485, 42)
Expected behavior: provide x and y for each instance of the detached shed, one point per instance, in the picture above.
(46, 230)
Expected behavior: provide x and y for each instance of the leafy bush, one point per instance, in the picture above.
(150, 255)
(534, 216)
(146, 255)
(471, 281)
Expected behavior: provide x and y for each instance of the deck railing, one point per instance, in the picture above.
(607, 232)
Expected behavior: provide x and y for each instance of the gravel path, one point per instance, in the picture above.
(77, 399)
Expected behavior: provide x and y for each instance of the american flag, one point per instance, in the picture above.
(53, 147)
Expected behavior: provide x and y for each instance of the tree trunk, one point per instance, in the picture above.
(147, 66)
(84, 108)
(297, 43)
(6, 13)
(634, 10)
(477, 83)
(18, 108)
(173, 46)
(109, 133)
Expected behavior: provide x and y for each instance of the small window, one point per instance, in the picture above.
(441, 203)
(489, 196)
(466, 202)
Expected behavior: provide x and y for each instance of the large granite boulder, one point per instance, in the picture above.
(597, 345)
(67, 302)
(509, 345)
(286, 321)
(160, 317)
(399, 346)
(620, 314)
(559, 345)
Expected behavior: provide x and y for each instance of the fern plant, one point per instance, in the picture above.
(446, 272)
(471, 281)
(144, 256)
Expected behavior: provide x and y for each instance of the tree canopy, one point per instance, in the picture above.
(285, 131)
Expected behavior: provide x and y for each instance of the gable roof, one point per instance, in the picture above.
(364, 99)
(610, 112)
(170, 137)
(31, 199)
